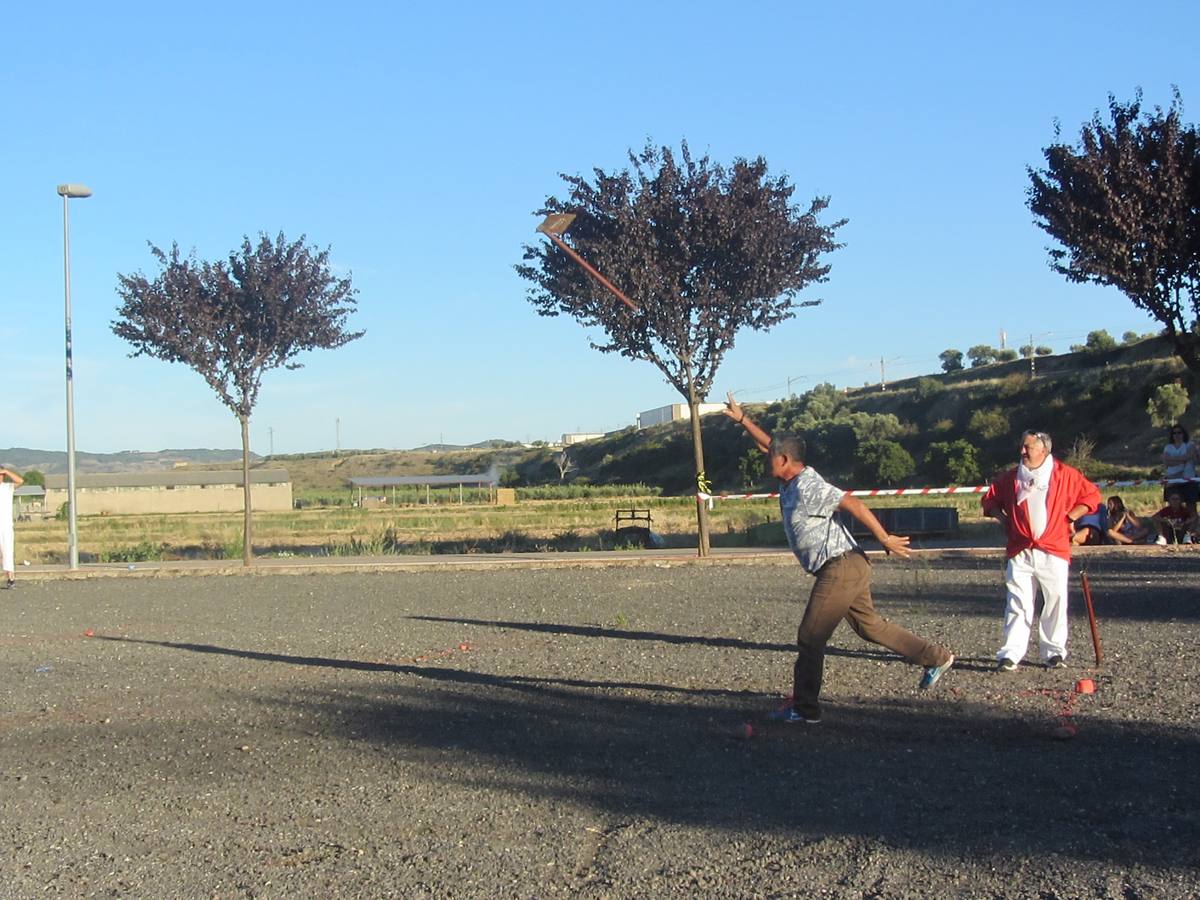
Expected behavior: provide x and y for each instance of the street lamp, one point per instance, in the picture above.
(553, 227)
(67, 192)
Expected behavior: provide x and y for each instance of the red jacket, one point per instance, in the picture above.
(1068, 488)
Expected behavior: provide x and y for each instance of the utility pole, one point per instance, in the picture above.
(271, 434)
(792, 378)
(1032, 357)
(1003, 338)
(337, 424)
(882, 380)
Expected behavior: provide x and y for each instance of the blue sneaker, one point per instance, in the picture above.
(933, 673)
(789, 714)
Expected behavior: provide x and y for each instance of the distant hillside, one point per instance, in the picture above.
(54, 462)
(1090, 402)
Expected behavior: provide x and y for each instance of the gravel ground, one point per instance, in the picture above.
(575, 732)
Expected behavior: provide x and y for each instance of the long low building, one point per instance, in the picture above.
(175, 491)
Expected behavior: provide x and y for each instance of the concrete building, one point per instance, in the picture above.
(673, 413)
(176, 491)
(580, 437)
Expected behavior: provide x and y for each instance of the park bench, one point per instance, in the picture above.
(632, 526)
(914, 521)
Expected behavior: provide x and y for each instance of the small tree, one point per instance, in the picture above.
(981, 355)
(34, 477)
(1100, 341)
(952, 360)
(1167, 404)
(882, 464)
(702, 251)
(1006, 355)
(954, 461)
(1124, 204)
(752, 468)
(234, 320)
(564, 463)
(989, 423)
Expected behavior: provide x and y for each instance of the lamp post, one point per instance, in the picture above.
(1033, 353)
(68, 192)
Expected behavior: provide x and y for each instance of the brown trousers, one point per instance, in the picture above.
(843, 591)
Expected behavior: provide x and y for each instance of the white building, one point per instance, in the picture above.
(580, 437)
(673, 413)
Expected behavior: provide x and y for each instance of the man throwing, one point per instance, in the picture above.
(824, 546)
(1038, 503)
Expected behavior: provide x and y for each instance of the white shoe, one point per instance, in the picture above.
(1162, 541)
(1187, 539)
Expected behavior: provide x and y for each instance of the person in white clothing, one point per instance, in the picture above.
(9, 482)
(1038, 502)
(1179, 468)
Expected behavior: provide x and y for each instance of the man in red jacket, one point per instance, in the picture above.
(1038, 503)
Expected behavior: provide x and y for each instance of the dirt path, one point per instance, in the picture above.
(572, 732)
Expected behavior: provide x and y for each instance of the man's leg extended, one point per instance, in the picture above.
(870, 626)
(827, 604)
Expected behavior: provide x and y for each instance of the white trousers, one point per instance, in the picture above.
(1028, 571)
(6, 543)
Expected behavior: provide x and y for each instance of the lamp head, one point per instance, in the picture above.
(74, 190)
(556, 223)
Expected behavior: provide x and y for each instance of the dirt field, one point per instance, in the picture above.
(572, 732)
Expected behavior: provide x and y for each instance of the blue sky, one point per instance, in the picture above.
(416, 142)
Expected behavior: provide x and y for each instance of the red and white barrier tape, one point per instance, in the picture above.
(909, 492)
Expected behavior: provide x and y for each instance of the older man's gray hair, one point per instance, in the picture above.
(1041, 437)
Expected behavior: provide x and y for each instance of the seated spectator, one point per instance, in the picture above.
(1091, 530)
(1175, 521)
(1179, 458)
(1126, 528)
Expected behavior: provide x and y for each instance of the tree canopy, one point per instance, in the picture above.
(1124, 204)
(233, 320)
(703, 250)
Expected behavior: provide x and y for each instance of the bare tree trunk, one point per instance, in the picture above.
(247, 546)
(698, 452)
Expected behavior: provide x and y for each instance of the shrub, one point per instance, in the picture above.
(1167, 404)
(989, 424)
(752, 468)
(928, 388)
(883, 464)
(956, 462)
(1012, 385)
(140, 552)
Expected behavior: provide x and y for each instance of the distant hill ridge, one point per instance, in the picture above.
(54, 462)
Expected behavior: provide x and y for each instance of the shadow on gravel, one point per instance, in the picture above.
(1124, 586)
(624, 634)
(928, 772)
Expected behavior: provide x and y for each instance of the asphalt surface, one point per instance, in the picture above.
(562, 727)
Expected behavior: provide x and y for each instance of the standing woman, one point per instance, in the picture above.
(9, 482)
(1179, 462)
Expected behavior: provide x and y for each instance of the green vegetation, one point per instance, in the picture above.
(1167, 404)
(957, 428)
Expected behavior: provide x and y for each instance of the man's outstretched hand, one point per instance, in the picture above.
(733, 409)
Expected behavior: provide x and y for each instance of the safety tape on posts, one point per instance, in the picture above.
(925, 491)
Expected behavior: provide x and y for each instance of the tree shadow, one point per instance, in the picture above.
(625, 634)
(928, 772)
